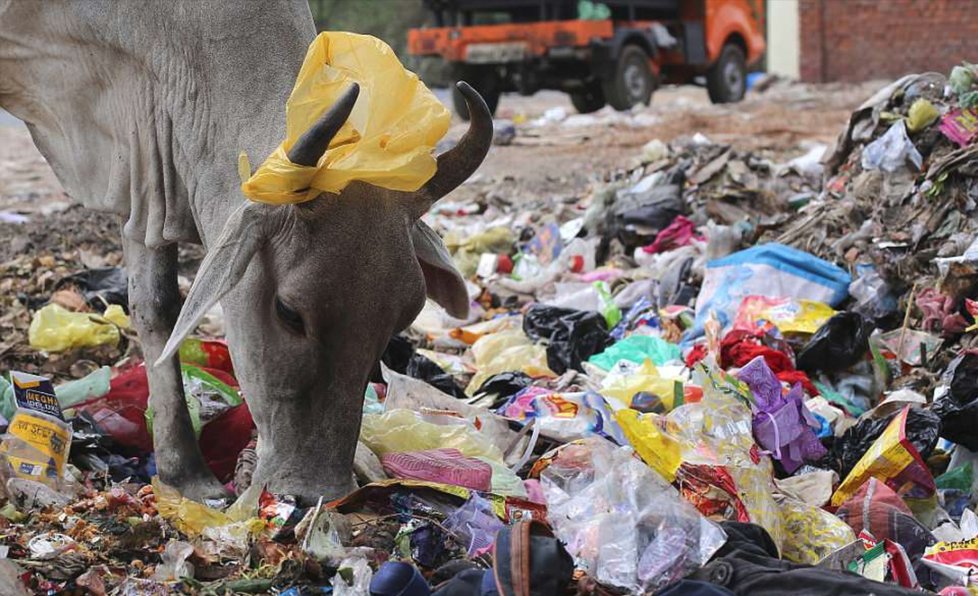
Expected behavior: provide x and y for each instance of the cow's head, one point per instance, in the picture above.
(313, 292)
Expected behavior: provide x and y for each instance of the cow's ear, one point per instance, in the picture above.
(443, 282)
(222, 268)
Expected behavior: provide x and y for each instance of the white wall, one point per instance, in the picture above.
(783, 40)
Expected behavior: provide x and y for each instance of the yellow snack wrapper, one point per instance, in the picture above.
(647, 435)
(387, 141)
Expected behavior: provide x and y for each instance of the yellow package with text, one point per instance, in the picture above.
(36, 446)
(388, 139)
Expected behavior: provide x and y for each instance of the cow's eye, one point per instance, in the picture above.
(288, 315)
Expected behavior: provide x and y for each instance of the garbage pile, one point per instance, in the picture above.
(723, 371)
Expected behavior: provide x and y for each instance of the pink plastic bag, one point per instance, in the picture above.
(446, 466)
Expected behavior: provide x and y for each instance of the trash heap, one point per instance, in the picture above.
(720, 371)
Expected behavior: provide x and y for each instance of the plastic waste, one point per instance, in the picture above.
(406, 393)
(893, 459)
(815, 533)
(447, 466)
(877, 510)
(922, 114)
(647, 435)
(476, 524)
(55, 329)
(621, 386)
(388, 139)
(782, 423)
(101, 286)
(962, 78)
(622, 523)
(891, 151)
(190, 517)
(874, 296)
(38, 440)
(637, 349)
(838, 344)
(507, 351)
(352, 577)
(922, 430)
(723, 473)
(961, 124)
(765, 270)
(788, 315)
(174, 565)
(397, 578)
(956, 401)
(563, 416)
(572, 336)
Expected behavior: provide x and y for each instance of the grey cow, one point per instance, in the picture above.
(142, 107)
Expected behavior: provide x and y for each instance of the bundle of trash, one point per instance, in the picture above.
(715, 374)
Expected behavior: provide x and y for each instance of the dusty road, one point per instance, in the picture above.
(546, 160)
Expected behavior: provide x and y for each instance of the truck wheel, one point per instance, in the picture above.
(726, 81)
(488, 88)
(587, 100)
(632, 82)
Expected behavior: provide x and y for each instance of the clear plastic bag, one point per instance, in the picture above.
(617, 517)
(398, 431)
(388, 139)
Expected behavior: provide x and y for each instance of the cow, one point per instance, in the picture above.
(142, 108)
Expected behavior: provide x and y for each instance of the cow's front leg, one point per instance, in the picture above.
(154, 303)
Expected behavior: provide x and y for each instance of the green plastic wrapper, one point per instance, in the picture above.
(637, 349)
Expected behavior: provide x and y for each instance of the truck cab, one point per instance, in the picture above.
(614, 52)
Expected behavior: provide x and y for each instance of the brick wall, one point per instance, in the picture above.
(858, 40)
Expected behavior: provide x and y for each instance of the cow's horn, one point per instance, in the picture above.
(462, 160)
(310, 147)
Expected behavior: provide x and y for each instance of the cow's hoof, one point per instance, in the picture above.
(205, 490)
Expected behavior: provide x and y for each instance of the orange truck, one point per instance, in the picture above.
(613, 52)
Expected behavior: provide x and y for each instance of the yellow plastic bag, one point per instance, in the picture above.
(54, 329)
(621, 387)
(399, 430)
(507, 351)
(388, 139)
(648, 436)
(190, 517)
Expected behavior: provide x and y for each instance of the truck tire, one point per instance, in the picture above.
(488, 88)
(726, 81)
(587, 100)
(632, 82)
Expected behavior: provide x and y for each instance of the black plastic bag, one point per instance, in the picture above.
(421, 367)
(397, 354)
(573, 335)
(923, 429)
(838, 344)
(637, 217)
(958, 408)
(106, 283)
(504, 385)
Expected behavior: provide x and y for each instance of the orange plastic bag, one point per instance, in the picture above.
(388, 139)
